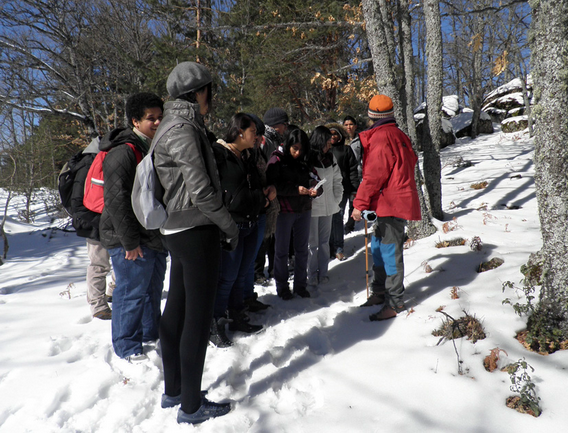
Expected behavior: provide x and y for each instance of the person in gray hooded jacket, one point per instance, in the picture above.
(197, 222)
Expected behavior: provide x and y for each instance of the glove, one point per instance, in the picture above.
(230, 244)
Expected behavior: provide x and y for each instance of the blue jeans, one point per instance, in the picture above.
(233, 270)
(249, 278)
(299, 225)
(136, 299)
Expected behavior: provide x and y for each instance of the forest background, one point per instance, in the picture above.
(67, 67)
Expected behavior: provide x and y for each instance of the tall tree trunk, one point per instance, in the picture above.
(424, 227)
(379, 48)
(549, 59)
(433, 121)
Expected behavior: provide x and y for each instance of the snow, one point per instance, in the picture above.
(450, 105)
(320, 365)
(514, 84)
(516, 119)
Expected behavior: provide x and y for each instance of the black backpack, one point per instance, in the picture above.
(67, 177)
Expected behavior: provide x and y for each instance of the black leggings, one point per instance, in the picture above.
(185, 323)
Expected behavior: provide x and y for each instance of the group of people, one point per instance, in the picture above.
(266, 190)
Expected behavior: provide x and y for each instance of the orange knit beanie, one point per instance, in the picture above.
(380, 107)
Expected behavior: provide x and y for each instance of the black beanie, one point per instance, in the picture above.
(275, 116)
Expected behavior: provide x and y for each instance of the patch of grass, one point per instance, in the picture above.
(494, 263)
(479, 185)
(451, 243)
(466, 326)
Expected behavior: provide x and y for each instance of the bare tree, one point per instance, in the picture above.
(424, 227)
(76, 59)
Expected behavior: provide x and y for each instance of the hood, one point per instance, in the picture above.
(93, 146)
(342, 131)
(118, 136)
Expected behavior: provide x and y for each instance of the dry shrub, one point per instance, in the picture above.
(475, 244)
(514, 402)
(480, 185)
(494, 263)
(490, 361)
(450, 225)
(466, 326)
(440, 308)
(454, 292)
(409, 243)
(427, 268)
(549, 348)
(451, 243)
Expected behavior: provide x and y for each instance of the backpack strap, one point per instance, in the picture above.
(136, 151)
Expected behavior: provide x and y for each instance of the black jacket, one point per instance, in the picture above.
(287, 174)
(348, 166)
(240, 181)
(85, 221)
(119, 226)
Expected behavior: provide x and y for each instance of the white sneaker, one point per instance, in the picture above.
(137, 358)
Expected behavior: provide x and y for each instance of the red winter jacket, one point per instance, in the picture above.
(388, 185)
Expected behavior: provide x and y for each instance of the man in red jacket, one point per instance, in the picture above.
(388, 188)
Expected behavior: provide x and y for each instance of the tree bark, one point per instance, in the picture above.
(549, 59)
(424, 227)
(379, 48)
(433, 121)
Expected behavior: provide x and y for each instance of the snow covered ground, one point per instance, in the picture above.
(320, 365)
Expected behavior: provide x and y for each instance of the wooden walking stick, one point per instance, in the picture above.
(367, 258)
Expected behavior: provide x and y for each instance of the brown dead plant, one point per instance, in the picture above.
(490, 361)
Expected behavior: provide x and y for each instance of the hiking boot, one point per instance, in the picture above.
(285, 294)
(103, 314)
(254, 305)
(207, 410)
(386, 313)
(217, 334)
(374, 299)
(239, 323)
(302, 292)
(261, 281)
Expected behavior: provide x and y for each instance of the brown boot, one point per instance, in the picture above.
(374, 299)
(386, 313)
(103, 314)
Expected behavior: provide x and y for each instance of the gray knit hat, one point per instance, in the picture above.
(187, 77)
(275, 116)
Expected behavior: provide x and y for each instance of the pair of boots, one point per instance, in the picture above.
(237, 320)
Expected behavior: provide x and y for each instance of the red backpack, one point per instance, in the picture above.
(94, 184)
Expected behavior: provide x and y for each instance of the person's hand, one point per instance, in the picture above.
(270, 192)
(356, 215)
(313, 192)
(134, 254)
(230, 244)
(303, 190)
